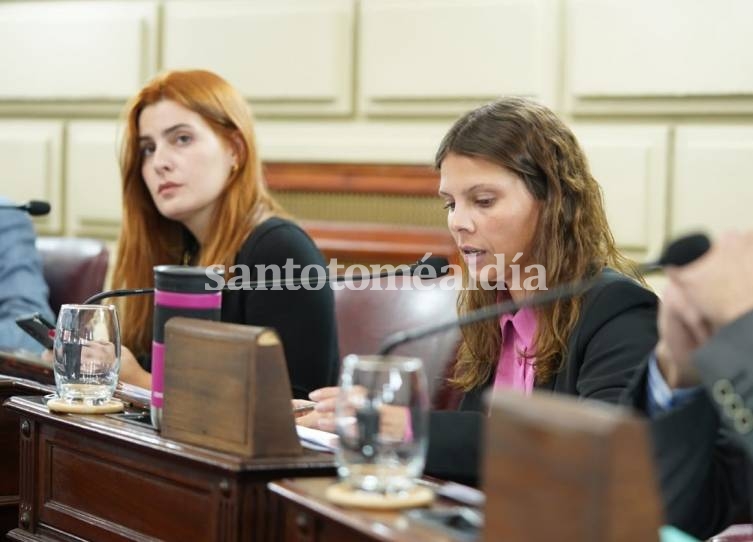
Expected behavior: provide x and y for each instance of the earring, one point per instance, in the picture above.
(233, 169)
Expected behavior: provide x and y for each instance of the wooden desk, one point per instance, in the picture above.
(21, 375)
(306, 516)
(31, 369)
(100, 478)
(9, 435)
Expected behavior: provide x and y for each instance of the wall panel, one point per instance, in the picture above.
(75, 50)
(396, 142)
(93, 190)
(287, 57)
(30, 167)
(672, 55)
(630, 163)
(444, 56)
(712, 188)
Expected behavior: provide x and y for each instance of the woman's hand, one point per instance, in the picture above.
(324, 411)
(131, 372)
(394, 420)
(322, 414)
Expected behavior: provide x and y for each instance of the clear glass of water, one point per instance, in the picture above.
(382, 416)
(86, 353)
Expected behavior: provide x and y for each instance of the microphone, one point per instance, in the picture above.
(679, 252)
(426, 267)
(34, 207)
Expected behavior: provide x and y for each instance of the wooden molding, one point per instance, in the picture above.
(380, 243)
(364, 242)
(352, 178)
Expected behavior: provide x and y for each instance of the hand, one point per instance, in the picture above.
(681, 331)
(97, 357)
(301, 407)
(323, 416)
(393, 419)
(131, 372)
(718, 284)
(306, 418)
(393, 422)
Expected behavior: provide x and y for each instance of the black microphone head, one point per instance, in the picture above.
(431, 267)
(684, 250)
(37, 208)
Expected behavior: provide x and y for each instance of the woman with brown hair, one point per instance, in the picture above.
(524, 209)
(194, 194)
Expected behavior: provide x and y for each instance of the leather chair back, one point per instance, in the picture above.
(366, 317)
(74, 268)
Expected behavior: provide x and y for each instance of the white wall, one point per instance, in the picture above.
(660, 92)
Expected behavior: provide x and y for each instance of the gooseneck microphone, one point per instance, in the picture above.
(679, 252)
(427, 267)
(34, 207)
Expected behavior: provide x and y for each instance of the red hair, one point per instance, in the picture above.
(147, 238)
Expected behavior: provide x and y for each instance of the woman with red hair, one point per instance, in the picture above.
(194, 194)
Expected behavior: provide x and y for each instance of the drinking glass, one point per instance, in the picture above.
(381, 417)
(86, 353)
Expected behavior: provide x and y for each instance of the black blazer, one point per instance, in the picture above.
(615, 332)
(704, 459)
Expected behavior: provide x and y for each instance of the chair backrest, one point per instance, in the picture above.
(366, 317)
(74, 268)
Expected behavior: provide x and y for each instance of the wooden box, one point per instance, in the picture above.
(227, 388)
(558, 468)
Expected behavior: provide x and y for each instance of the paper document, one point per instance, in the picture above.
(315, 439)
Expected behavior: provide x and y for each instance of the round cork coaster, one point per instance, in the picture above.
(344, 495)
(56, 404)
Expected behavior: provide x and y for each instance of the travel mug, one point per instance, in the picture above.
(179, 290)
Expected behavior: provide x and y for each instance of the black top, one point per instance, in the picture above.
(304, 319)
(703, 449)
(615, 332)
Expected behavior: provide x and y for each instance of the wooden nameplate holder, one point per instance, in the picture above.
(558, 468)
(227, 388)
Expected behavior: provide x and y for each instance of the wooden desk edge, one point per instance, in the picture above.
(132, 435)
(355, 519)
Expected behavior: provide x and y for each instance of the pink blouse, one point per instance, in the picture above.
(514, 370)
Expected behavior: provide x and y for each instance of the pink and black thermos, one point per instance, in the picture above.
(179, 290)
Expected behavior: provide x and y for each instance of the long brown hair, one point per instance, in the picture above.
(572, 239)
(147, 238)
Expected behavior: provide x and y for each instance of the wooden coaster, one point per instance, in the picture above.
(56, 404)
(344, 495)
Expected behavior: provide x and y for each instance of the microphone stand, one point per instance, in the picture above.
(571, 289)
(436, 264)
(679, 252)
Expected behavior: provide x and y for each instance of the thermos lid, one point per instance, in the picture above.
(188, 279)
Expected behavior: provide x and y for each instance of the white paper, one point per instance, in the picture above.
(465, 494)
(317, 440)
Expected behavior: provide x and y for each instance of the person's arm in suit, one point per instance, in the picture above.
(725, 366)
(23, 289)
(706, 341)
(455, 441)
(701, 473)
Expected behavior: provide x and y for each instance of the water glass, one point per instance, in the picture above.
(86, 353)
(381, 416)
